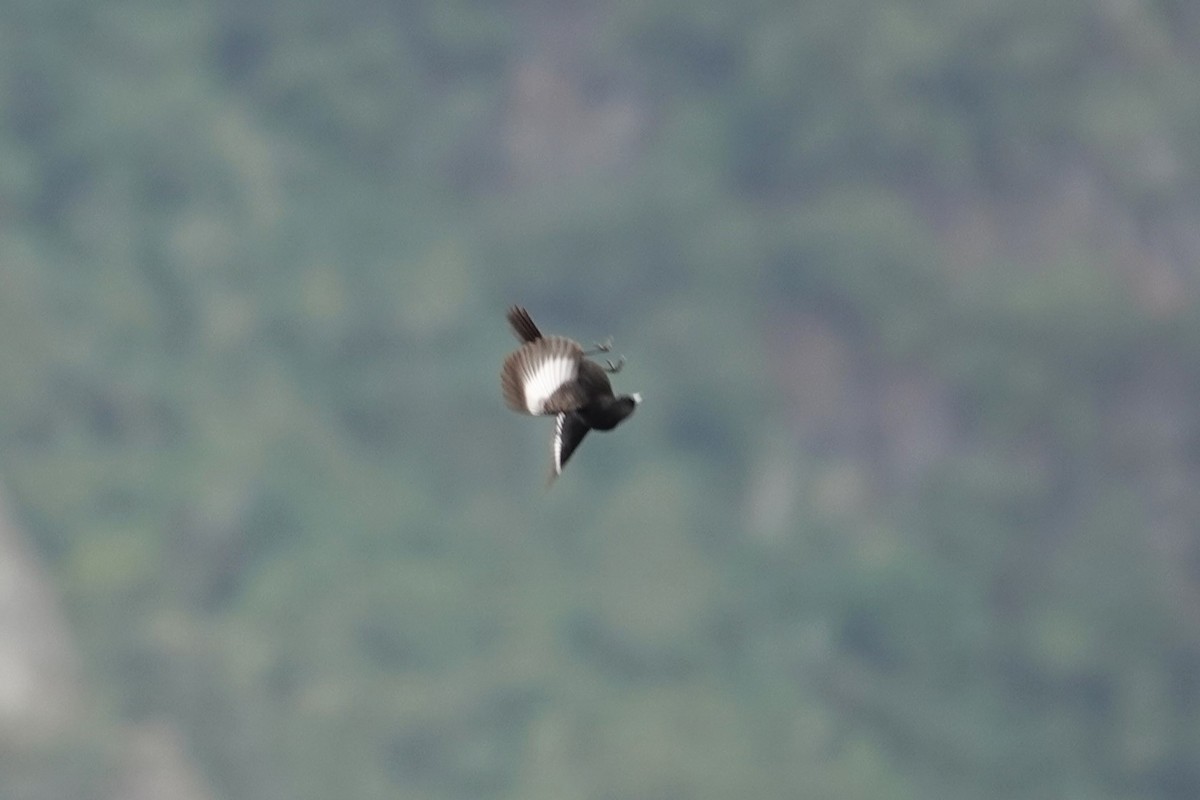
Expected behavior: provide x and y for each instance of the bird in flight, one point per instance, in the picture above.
(552, 375)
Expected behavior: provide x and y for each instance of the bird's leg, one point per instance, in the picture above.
(600, 347)
(612, 368)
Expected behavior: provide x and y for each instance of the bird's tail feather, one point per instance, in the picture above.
(522, 325)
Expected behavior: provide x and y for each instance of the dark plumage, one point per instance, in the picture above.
(551, 375)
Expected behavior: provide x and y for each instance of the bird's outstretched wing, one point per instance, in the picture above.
(541, 377)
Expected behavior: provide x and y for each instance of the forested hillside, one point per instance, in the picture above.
(909, 511)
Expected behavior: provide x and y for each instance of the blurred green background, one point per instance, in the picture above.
(910, 510)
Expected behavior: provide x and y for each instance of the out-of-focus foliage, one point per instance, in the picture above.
(909, 287)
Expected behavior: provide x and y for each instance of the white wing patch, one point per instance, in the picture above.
(543, 380)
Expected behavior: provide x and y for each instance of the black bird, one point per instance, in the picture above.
(550, 375)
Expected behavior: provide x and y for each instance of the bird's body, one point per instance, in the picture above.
(550, 375)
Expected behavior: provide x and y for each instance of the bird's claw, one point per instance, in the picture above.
(612, 368)
(601, 347)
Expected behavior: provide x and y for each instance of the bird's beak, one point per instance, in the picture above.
(637, 398)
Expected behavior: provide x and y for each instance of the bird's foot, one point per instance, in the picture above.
(600, 347)
(612, 368)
